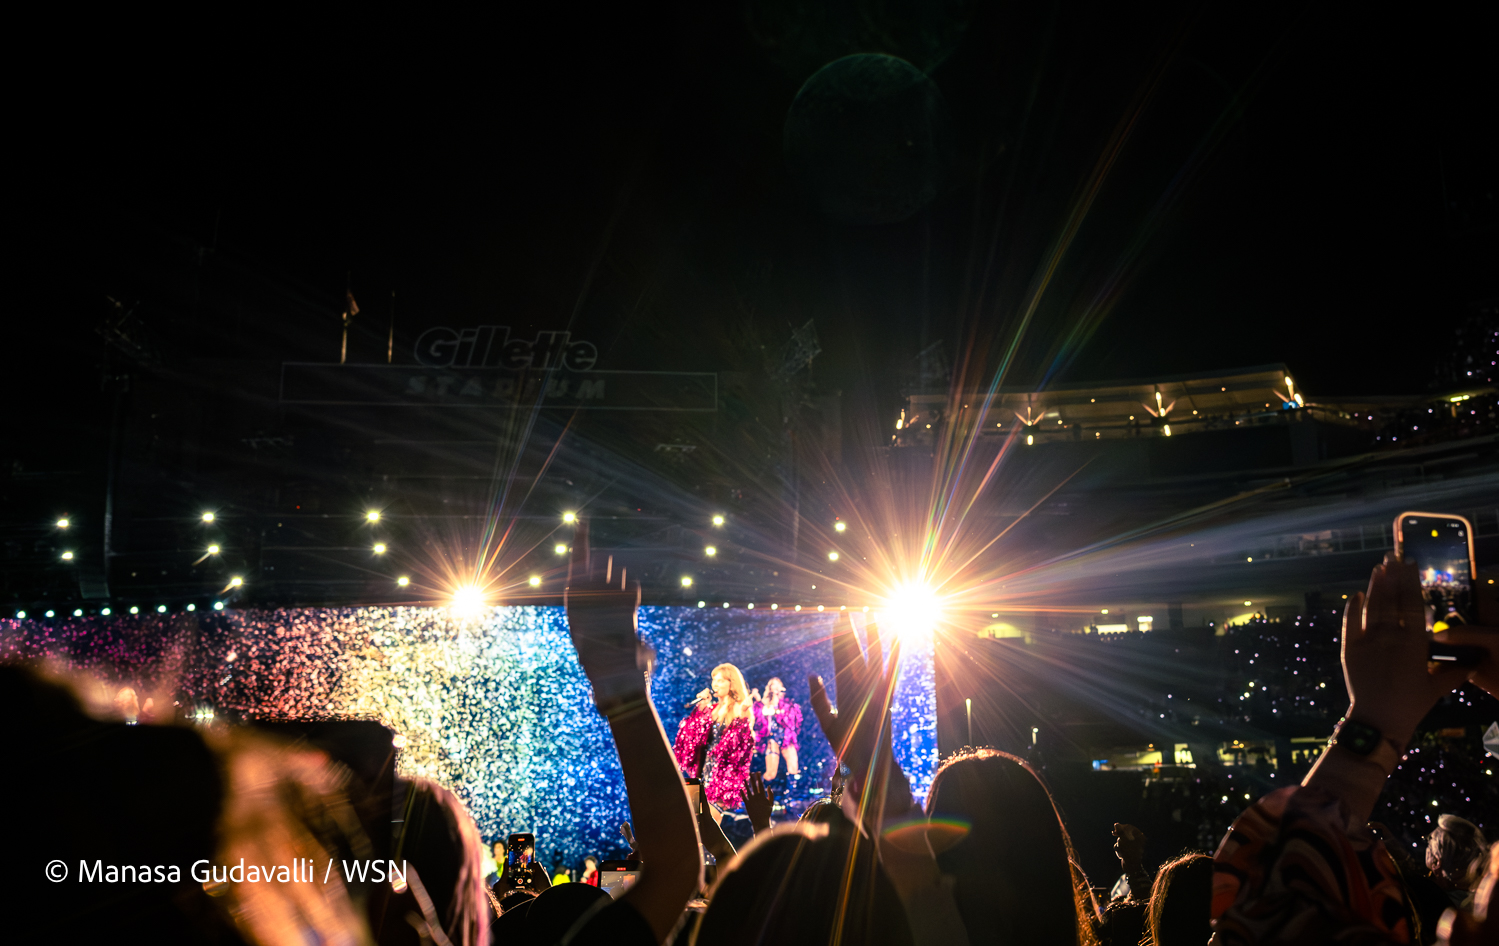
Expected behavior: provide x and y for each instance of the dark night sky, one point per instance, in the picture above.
(1298, 185)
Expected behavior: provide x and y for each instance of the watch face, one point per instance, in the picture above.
(1360, 738)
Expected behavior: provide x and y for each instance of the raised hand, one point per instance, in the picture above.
(601, 619)
(1384, 654)
(759, 802)
(856, 726)
(1129, 847)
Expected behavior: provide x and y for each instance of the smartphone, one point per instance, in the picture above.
(1440, 545)
(520, 854)
(695, 794)
(615, 877)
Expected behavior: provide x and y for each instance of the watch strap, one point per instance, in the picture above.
(1368, 742)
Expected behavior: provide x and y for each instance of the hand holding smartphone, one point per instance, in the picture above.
(520, 858)
(1440, 545)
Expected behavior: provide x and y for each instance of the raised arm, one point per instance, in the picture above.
(601, 618)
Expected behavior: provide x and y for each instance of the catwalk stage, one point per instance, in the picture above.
(493, 706)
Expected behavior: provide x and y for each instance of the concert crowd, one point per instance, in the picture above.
(1361, 840)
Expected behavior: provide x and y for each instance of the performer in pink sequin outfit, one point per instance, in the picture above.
(716, 740)
(777, 722)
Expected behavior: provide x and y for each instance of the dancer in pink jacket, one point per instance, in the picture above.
(716, 740)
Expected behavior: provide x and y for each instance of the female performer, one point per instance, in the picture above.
(716, 740)
(777, 721)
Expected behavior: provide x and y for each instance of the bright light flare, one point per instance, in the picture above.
(912, 610)
(380, 548)
(686, 581)
(403, 581)
(63, 523)
(718, 520)
(570, 517)
(710, 551)
(840, 526)
(372, 516)
(213, 550)
(559, 549)
(207, 517)
(469, 599)
(534, 581)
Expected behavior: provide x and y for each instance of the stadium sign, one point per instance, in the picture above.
(490, 346)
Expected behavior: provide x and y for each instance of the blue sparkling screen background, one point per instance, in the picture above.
(493, 706)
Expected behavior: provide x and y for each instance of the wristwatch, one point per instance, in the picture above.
(1365, 741)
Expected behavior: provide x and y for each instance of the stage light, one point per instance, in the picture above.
(726, 604)
(192, 607)
(213, 550)
(372, 515)
(21, 614)
(207, 517)
(774, 607)
(840, 526)
(134, 609)
(1030, 440)
(702, 604)
(534, 581)
(1168, 430)
(1249, 558)
(751, 606)
(569, 517)
(51, 614)
(718, 520)
(821, 608)
(62, 523)
(832, 556)
(236, 581)
(161, 609)
(77, 612)
(218, 605)
(798, 607)
(1247, 603)
(468, 599)
(106, 612)
(67, 556)
(1104, 611)
(403, 581)
(710, 551)
(686, 582)
(559, 549)
(379, 548)
(912, 609)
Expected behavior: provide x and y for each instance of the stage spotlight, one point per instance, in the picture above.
(134, 609)
(107, 612)
(686, 581)
(1248, 603)
(77, 612)
(710, 551)
(569, 517)
(207, 517)
(840, 526)
(718, 520)
(372, 515)
(534, 581)
(192, 607)
(62, 523)
(775, 607)
(403, 581)
(218, 605)
(379, 548)
(236, 581)
(1030, 440)
(702, 604)
(559, 549)
(912, 610)
(20, 614)
(67, 556)
(213, 550)
(161, 609)
(51, 614)
(832, 556)
(468, 599)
